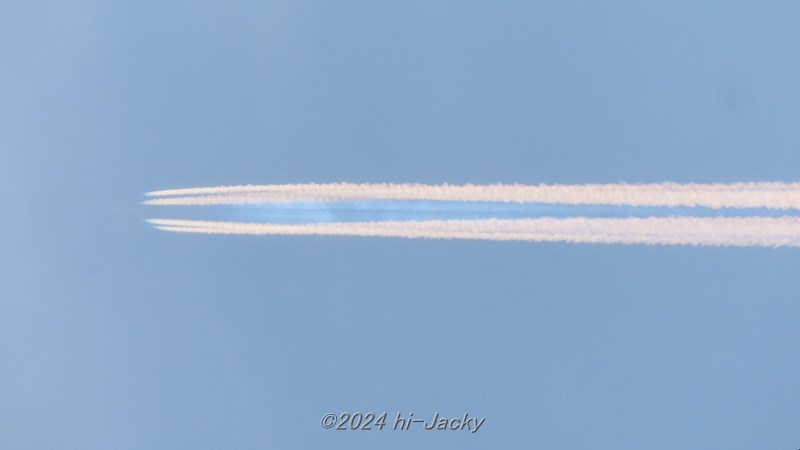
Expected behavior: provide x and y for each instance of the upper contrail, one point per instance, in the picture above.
(736, 195)
(738, 214)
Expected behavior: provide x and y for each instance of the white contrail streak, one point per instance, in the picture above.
(733, 231)
(737, 195)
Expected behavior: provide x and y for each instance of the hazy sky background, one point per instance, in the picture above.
(116, 336)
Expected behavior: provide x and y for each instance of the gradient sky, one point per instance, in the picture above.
(115, 335)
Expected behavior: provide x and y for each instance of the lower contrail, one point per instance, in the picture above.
(741, 214)
(757, 231)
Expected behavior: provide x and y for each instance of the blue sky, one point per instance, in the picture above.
(370, 211)
(114, 335)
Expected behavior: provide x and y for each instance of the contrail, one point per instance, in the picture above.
(736, 195)
(738, 231)
(737, 214)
